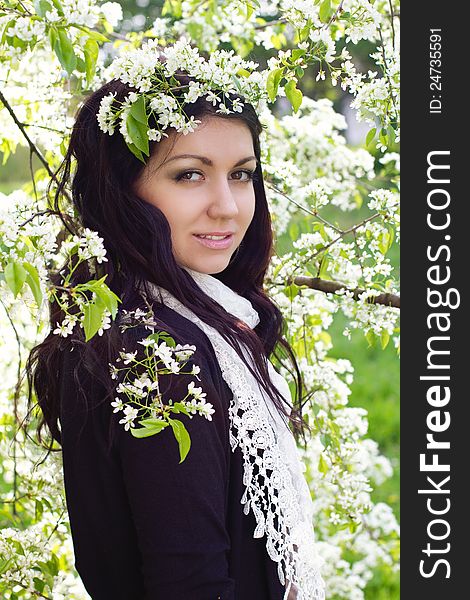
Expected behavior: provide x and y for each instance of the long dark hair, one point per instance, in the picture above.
(102, 171)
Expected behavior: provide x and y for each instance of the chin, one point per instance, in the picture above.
(210, 267)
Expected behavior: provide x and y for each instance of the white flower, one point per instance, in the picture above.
(155, 135)
(195, 391)
(237, 105)
(212, 97)
(118, 405)
(188, 126)
(128, 357)
(193, 93)
(206, 409)
(223, 109)
(106, 322)
(112, 12)
(130, 415)
(160, 26)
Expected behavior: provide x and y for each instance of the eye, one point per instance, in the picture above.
(182, 176)
(249, 176)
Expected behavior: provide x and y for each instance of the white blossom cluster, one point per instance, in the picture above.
(307, 159)
(68, 12)
(89, 245)
(34, 87)
(24, 239)
(39, 494)
(139, 385)
(141, 69)
(342, 488)
(366, 21)
(35, 83)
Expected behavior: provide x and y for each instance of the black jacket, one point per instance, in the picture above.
(145, 527)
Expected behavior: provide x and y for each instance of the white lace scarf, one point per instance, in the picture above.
(275, 487)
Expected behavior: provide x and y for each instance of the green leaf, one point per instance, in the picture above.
(179, 407)
(302, 34)
(94, 35)
(294, 231)
(324, 266)
(371, 338)
(272, 83)
(108, 297)
(91, 50)
(371, 136)
(38, 510)
(6, 565)
(54, 565)
(172, 7)
(353, 527)
(39, 584)
(10, 23)
(384, 339)
(58, 5)
(64, 50)
(293, 94)
(383, 136)
(93, 316)
(53, 37)
(138, 133)
(243, 73)
(195, 30)
(15, 276)
(297, 53)
(154, 423)
(391, 231)
(384, 242)
(322, 465)
(42, 7)
(182, 437)
(81, 67)
(136, 152)
(137, 110)
(144, 432)
(323, 233)
(325, 11)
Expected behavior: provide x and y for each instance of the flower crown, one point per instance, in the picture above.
(151, 71)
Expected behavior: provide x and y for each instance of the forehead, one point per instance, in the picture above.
(218, 139)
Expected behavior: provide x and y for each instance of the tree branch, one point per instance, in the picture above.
(332, 287)
(31, 144)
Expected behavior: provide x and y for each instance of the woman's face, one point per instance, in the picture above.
(207, 193)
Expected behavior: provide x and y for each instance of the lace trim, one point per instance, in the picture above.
(270, 487)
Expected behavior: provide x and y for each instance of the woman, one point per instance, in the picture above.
(188, 234)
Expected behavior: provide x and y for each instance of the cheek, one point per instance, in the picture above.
(181, 216)
(249, 208)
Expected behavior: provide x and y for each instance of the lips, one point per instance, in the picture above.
(219, 234)
(224, 241)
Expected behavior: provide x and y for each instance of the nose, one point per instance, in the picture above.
(223, 202)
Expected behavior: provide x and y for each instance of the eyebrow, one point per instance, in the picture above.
(207, 161)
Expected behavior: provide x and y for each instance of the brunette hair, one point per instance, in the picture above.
(138, 246)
